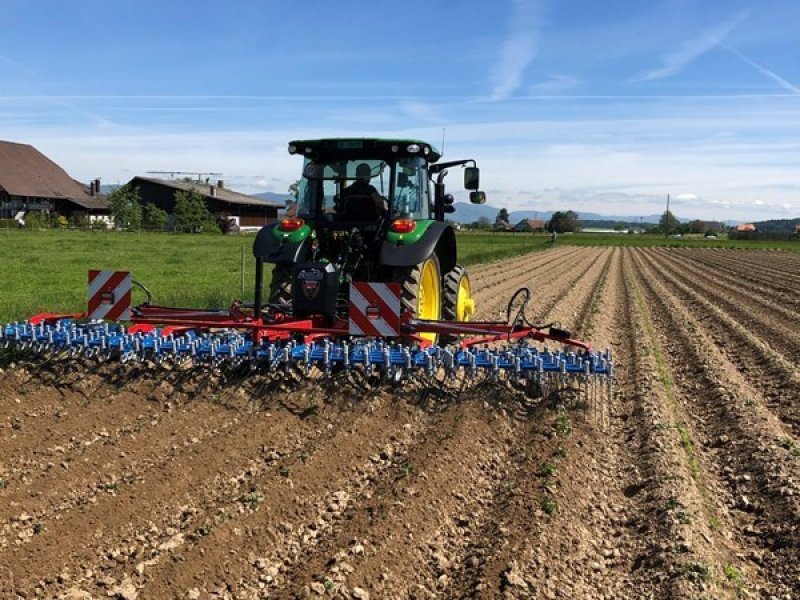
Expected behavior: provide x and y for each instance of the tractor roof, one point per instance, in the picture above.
(355, 148)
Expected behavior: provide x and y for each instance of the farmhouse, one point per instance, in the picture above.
(29, 181)
(246, 211)
(745, 227)
(530, 225)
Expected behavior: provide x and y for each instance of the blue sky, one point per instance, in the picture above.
(602, 107)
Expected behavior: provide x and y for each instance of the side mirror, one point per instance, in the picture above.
(472, 178)
(448, 199)
(477, 197)
(449, 208)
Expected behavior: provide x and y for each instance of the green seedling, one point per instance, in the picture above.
(548, 504)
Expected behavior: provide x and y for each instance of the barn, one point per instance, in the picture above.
(246, 211)
(29, 181)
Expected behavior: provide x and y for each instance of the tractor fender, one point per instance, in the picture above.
(274, 248)
(438, 237)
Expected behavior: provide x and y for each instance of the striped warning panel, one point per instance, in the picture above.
(110, 295)
(374, 309)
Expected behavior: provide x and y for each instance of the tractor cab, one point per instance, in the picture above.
(364, 190)
(365, 182)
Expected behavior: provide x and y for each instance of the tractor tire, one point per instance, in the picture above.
(457, 304)
(414, 291)
(280, 288)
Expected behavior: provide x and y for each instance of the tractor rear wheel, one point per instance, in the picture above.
(280, 288)
(458, 304)
(421, 292)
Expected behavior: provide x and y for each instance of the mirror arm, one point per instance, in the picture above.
(435, 168)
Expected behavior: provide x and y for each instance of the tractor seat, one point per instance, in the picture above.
(360, 208)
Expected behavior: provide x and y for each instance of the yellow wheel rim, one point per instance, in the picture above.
(465, 304)
(429, 300)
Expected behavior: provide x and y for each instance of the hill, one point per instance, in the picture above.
(273, 197)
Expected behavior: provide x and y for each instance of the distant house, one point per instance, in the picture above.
(29, 181)
(745, 227)
(246, 211)
(530, 225)
(501, 225)
(797, 228)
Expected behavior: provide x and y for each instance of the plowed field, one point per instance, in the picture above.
(684, 484)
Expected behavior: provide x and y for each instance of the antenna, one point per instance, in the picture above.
(199, 175)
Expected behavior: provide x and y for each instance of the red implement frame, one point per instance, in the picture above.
(146, 317)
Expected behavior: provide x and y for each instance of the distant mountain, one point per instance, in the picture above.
(469, 213)
(108, 188)
(273, 197)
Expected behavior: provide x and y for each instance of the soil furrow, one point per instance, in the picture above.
(774, 324)
(178, 479)
(734, 445)
(762, 368)
(755, 270)
(298, 507)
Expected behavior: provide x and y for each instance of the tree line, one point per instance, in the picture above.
(190, 215)
(568, 221)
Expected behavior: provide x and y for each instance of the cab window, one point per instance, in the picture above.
(411, 189)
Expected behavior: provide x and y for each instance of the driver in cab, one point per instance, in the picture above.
(361, 188)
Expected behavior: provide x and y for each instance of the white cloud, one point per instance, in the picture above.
(518, 50)
(555, 84)
(764, 71)
(687, 198)
(674, 62)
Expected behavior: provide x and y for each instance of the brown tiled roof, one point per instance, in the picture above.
(220, 193)
(26, 172)
(532, 223)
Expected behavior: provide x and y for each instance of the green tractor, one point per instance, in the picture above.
(369, 210)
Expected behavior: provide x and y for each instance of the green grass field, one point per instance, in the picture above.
(47, 270)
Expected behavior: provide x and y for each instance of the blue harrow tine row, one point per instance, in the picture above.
(230, 347)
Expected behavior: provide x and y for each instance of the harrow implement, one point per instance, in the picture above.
(274, 342)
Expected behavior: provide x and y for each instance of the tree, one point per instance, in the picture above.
(154, 218)
(668, 223)
(192, 214)
(482, 223)
(126, 207)
(502, 215)
(562, 221)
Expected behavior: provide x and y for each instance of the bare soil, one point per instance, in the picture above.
(685, 483)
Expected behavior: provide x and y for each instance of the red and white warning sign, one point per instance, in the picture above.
(374, 309)
(110, 295)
